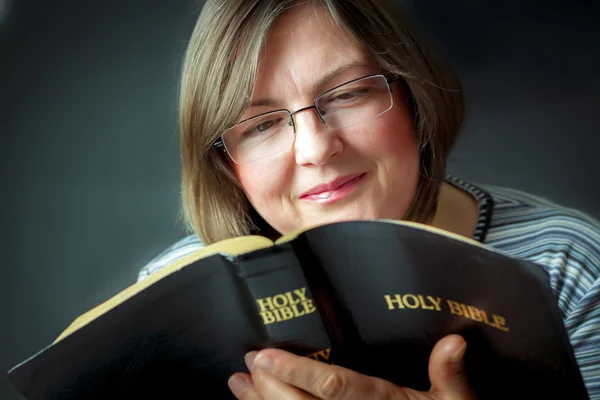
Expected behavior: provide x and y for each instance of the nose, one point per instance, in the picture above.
(315, 142)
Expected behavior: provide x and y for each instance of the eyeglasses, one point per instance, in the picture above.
(351, 103)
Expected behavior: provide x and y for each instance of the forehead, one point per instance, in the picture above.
(302, 18)
(305, 44)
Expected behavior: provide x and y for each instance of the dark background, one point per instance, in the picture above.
(89, 149)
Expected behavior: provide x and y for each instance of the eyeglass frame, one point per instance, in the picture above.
(219, 143)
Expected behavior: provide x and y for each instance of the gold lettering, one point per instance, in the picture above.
(500, 323)
(477, 314)
(301, 293)
(285, 306)
(322, 355)
(286, 313)
(296, 312)
(290, 299)
(277, 315)
(265, 304)
(325, 354)
(436, 302)
(454, 307)
(474, 313)
(309, 307)
(390, 301)
(276, 301)
(486, 320)
(414, 301)
(268, 317)
(424, 305)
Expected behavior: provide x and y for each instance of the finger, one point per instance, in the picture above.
(242, 387)
(270, 388)
(447, 369)
(324, 381)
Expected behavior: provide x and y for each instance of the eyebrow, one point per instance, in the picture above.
(343, 68)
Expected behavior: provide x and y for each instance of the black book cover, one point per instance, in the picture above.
(392, 293)
(374, 296)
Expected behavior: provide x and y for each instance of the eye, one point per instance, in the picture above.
(352, 94)
(344, 96)
(262, 127)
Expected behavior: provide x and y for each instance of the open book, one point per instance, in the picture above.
(373, 296)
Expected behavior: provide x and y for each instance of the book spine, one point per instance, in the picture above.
(284, 302)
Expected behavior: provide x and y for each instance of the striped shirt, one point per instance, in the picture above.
(566, 242)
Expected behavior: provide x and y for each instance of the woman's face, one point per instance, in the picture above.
(365, 171)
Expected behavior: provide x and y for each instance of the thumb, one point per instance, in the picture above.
(447, 369)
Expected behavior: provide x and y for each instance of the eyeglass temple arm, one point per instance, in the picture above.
(392, 80)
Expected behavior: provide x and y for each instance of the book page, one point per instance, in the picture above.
(233, 246)
(410, 224)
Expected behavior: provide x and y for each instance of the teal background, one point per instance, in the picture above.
(89, 150)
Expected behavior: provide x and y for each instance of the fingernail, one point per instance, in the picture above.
(249, 359)
(237, 384)
(458, 354)
(263, 361)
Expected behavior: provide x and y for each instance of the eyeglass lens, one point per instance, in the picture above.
(346, 105)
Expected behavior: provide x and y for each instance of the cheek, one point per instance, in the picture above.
(391, 138)
(246, 175)
(262, 184)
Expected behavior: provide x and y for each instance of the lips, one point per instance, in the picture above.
(331, 186)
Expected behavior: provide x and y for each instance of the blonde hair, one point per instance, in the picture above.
(218, 76)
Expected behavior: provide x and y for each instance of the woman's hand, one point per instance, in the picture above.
(277, 374)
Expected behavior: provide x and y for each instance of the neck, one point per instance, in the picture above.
(456, 212)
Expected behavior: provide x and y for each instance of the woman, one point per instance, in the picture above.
(294, 113)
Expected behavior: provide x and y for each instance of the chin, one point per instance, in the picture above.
(345, 217)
